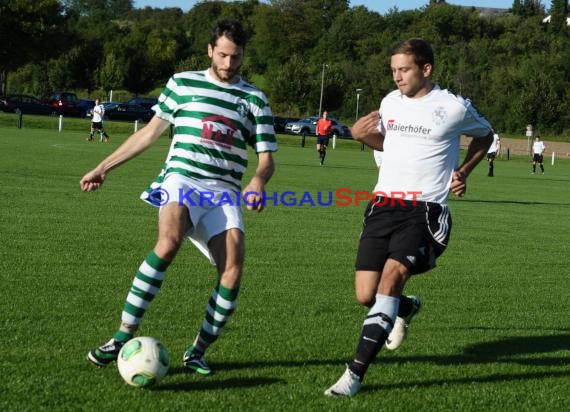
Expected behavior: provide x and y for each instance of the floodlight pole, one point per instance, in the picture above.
(322, 89)
(358, 91)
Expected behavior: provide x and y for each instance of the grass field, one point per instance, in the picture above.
(493, 333)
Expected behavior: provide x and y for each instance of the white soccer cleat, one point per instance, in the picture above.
(348, 385)
(400, 329)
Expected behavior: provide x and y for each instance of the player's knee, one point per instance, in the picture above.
(167, 246)
(365, 297)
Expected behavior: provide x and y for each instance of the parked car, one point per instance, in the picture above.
(143, 101)
(280, 122)
(26, 104)
(308, 126)
(65, 103)
(130, 112)
(86, 106)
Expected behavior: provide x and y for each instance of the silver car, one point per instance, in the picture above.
(308, 126)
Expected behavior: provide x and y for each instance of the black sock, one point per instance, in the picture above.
(371, 340)
(406, 306)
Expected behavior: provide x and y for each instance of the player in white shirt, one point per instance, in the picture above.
(538, 149)
(97, 122)
(492, 153)
(407, 223)
(378, 158)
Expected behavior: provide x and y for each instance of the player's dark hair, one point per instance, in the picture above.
(419, 48)
(232, 29)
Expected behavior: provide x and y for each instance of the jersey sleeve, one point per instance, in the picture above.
(167, 101)
(474, 124)
(262, 130)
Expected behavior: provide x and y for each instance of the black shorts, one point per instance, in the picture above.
(97, 125)
(414, 234)
(491, 155)
(323, 140)
(537, 158)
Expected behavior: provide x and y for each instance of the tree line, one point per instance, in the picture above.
(512, 64)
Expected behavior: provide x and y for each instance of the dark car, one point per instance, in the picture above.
(143, 101)
(65, 103)
(280, 122)
(26, 104)
(86, 106)
(130, 112)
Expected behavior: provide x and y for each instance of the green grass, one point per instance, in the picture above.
(493, 333)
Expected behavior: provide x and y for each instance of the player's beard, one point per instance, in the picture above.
(226, 76)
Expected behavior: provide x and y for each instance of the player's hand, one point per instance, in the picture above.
(92, 181)
(458, 183)
(253, 196)
(366, 125)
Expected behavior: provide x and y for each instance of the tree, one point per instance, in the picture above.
(292, 86)
(558, 12)
(33, 31)
(110, 75)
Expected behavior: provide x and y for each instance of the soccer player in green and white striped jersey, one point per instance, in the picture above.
(215, 115)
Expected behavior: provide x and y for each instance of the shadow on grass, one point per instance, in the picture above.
(208, 384)
(508, 350)
(520, 345)
(493, 378)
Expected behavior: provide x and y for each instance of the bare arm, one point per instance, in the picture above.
(475, 153)
(134, 145)
(365, 130)
(264, 171)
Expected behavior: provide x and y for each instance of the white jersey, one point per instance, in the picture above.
(98, 112)
(495, 145)
(378, 158)
(538, 147)
(421, 145)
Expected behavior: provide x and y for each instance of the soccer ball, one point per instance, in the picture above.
(143, 361)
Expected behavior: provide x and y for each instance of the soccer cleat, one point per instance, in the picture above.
(348, 385)
(196, 363)
(400, 329)
(104, 355)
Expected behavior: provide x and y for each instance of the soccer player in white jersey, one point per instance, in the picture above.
(538, 149)
(215, 115)
(407, 224)
(97, 122)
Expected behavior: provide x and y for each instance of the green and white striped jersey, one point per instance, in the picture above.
(213, 124)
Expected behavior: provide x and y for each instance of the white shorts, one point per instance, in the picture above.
(208, 215)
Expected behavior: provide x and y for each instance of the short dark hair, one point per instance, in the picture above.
(419, 48)
(232, 29)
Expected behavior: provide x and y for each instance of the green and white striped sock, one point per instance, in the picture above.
(145, 286)
(221, 305)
